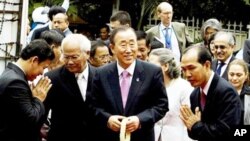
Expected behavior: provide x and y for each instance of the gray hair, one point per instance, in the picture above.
(212, 23)
(167, 57)
(82, 40)
(227, 36)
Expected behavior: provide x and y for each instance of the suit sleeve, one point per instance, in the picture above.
(189, 40)
(159, 102)
(227, 114)
(94, 101)
(26, 107)
(246, 51)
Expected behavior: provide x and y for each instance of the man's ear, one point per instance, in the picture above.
(166, 67)
(88, 54)
(34, 59)
(111, 46)
(207, 64)
(52, 46)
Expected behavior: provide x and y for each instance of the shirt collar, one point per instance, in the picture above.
(205, 89)
(130, 69)
(19, 67)
(84, 74)
(163, 26)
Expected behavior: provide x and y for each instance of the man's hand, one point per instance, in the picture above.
(114, 122)
(133, 124)
(188, 117)
(41, 89)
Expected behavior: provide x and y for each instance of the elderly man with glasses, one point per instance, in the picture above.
(224, 44)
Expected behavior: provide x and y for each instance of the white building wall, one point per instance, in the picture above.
(10, 29)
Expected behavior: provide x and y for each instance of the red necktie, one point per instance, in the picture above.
(203, 100)
(125, 87)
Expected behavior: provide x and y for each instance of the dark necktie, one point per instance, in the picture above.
(203, 99)
(218, 71)
(167, 38)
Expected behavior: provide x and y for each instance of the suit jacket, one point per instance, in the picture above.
(37, 32)
(245, 93)
(221, 113)
(22, 114)
(67, 32)
(147, 99)
(184, 40)
(215, 63)
(246, 51)
(70, 116)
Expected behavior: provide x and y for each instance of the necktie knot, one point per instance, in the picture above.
(125, 74)
(221, 64)
(79, 76)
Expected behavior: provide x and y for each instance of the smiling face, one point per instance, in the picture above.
(222, 46)
(125, 47)
(143, 50)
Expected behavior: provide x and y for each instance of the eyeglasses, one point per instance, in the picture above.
(72, 58)
(220, 46)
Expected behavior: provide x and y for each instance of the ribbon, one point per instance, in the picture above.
(124, 136)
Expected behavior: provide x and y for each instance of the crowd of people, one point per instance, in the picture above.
(66, 87)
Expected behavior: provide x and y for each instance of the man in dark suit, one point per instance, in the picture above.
(224, 44)
(145, 101)
(66, 99)
(21, 107)
(178, 38)
(52, 12)
(246, 51)
(215, 106)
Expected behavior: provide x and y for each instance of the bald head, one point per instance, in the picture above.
(165, 13)
(60, 21)
(164, 5)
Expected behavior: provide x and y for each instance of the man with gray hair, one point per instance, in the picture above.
(70, 117)
(224, 44)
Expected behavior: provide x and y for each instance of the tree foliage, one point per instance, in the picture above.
(97, 12)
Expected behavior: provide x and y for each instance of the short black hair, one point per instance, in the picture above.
(39, 48)
(55, 10)
(119, 29)
(122, 16)
(53, 36)
(140, 34)
(105, 26)
(95, 45)
(203, 54)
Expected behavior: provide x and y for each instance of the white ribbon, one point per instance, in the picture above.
(124, 136)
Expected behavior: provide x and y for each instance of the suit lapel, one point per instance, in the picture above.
(210, 94)
(115, 86)
(137, 80)
(71, 82)
(226, 70)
